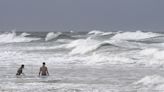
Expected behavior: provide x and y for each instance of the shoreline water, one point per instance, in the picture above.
(78, 78)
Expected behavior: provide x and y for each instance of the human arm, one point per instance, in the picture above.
(40, 71)
(47, 72)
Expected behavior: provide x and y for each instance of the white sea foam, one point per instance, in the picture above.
(86, 50)
(151, 57)
(134, 35)
(52, 35)
(55, 87)
(96, 58)
(24, 34)
(97, 32)
(83, 46)
(149, 51)
(12, 37)
(153, 83)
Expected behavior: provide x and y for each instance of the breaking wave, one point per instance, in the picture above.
(158, 39)
(97, 32)
(55, 36)
(83, 46)
(52, 35)
(138, 35)
(12, 37)
(93, 47)
(24, 34)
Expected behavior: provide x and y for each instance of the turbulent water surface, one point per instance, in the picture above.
(83, 62)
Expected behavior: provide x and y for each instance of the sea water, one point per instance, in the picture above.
(93, 61)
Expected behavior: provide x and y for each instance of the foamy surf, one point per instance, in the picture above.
(11, 37)
(134, 35)
(93, 61)
(90, 48)
(152, 83)
(52, 35)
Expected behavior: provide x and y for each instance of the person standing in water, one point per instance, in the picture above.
(44, 70)
(20, 70)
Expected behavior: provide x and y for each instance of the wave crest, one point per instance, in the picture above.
(82, 46)
(55, 36)
(52, 35)
(134, 35)
(12, 37)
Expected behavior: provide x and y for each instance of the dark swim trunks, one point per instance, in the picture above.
(44, 74)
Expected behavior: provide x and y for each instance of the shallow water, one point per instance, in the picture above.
(77, 78)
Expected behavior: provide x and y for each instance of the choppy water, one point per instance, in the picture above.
(83, 62)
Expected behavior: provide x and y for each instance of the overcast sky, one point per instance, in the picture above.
(82, 15)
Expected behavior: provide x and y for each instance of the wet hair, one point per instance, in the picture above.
(44, 63)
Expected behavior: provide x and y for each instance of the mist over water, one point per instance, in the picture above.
(92, 61)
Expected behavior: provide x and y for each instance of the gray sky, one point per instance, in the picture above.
(82, 15)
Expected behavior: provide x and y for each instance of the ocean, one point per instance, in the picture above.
(92, 61)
